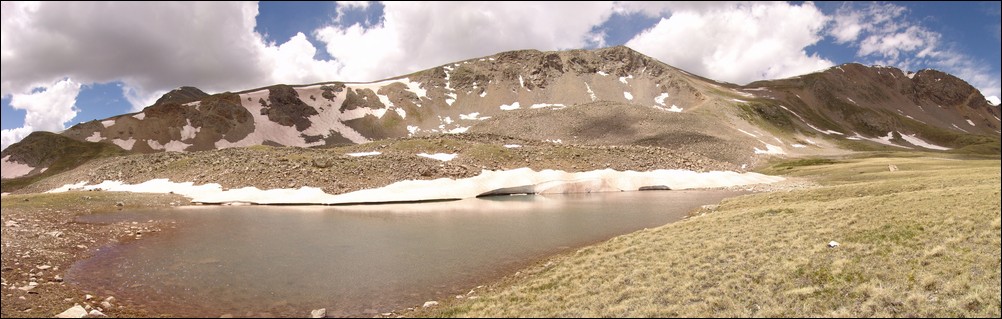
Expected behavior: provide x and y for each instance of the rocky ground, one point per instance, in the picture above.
(42, 240)
(336, 172)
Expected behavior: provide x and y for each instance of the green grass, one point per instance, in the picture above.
(921, 241)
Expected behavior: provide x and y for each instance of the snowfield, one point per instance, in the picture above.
(542, 182)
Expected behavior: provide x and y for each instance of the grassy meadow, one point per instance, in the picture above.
(923, 241)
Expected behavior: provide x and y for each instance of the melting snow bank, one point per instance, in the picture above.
(13, 169)
(517, 181)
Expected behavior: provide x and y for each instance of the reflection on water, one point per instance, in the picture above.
(357, 260)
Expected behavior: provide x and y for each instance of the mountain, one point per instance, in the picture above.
(611, 96)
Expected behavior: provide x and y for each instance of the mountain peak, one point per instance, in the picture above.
(181, 95)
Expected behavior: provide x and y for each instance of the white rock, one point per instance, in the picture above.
(430, 304)
(319, 313)
(96, 314)
(44, 267)
(106, 305)
(833, 244)
(75, 312)
(88, 297)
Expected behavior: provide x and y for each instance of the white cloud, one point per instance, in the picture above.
(48, 109)
(738, 42)
(150, 47)
(886, 34)
(345, 6)
(415, 36)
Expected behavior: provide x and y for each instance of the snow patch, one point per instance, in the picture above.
(125, 144)
(363, 154)
(401, 112)
(108, 123)
(590, 92)
(799, 146)
(826, 132)
(628, 96)
(545, 105)
(885, 140)
(188, 132)
(958, 127)
(673, 108)
(556, 141)
(513, 106)
(746, 133)
(96, 137)
(770, 150)
(512, 146)
(11, 169)
(445, 157)
(483, 94)
(521, 81)
(602, 73)
(458, 130)
(850, 100)
(738, 100)
(971, 123)
(660, 99)
(546, 181)
(411, 130)
(624, 78)
(172, 146)
(914, 140)
(140, 116)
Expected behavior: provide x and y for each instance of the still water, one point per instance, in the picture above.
(356, 260)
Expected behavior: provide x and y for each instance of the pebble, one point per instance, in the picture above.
(430, 304)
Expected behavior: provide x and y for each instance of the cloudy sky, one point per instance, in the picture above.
(65, 63)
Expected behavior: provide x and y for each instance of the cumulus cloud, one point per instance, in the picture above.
(47, 109)
(415, 36)
(150, 47)
(738, 42)
(885, 33)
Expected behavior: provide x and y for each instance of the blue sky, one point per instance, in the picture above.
(68, 63)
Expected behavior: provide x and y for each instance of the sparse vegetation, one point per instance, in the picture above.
(920, 242)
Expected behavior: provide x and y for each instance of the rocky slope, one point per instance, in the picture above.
(349, 168)
(611, 96)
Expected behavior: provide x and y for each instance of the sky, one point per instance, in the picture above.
(67, 63)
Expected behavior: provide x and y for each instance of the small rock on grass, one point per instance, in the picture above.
(430, 304)
(319, 313)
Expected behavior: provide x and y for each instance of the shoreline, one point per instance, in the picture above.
(54, 297)
(42, 240)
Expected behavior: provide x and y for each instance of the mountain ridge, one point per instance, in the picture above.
(845, 107)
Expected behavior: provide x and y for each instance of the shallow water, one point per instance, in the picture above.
(357, 260)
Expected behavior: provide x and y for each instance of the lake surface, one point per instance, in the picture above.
(356, 260)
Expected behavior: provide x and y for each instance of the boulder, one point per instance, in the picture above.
(76, 312)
